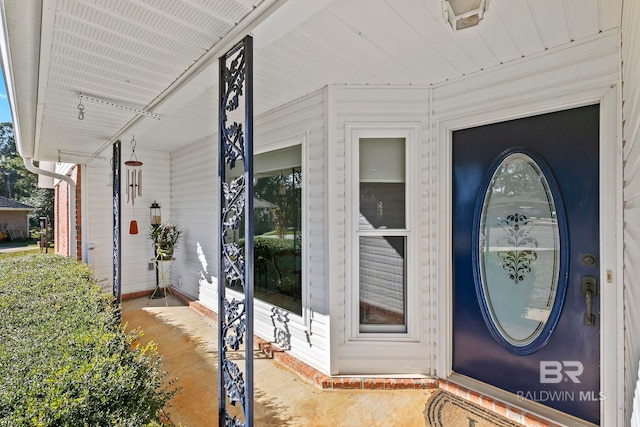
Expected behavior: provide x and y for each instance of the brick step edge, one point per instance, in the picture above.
(316, 377)
(323, 381)
(511, 412)
(303, 370)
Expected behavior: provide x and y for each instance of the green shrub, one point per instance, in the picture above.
(271, 247)
(64, 358)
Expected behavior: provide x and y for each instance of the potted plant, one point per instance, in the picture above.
(165, 239)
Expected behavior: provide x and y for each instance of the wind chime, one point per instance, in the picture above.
(134, 183)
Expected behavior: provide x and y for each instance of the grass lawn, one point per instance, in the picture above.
(8, 249)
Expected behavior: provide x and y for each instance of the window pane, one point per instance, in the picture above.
(382, 183)
(278, 228)
(382, 160)
(519, 248)
(382, 282)
(382, 206)
(278, 240)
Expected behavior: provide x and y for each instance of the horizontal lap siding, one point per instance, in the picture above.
(381, 275)
(99, 219)
(194, 205)
(136, 249)
(429, 239)
(631, 179)
(383, 105)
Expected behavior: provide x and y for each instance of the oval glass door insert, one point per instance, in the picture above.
(519, 262)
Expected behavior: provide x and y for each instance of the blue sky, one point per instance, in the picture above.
(5, 113)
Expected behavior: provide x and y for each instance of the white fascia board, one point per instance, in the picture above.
(46, 40)
(20, 47)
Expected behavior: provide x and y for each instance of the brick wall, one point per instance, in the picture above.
(61, 215)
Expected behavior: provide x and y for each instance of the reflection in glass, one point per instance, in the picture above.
(382, 280)
(277, 228)
(278, 240)
(519, 249)
(382, 205)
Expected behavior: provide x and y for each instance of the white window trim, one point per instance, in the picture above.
(354, 131)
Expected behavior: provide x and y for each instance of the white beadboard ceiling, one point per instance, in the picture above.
(161, 56)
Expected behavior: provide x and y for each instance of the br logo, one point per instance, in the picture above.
(554, 371)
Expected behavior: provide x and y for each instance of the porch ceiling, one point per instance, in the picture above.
(161, 56)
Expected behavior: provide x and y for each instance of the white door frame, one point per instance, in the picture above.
(611, 318)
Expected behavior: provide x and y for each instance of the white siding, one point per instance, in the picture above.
(194, 203)
(383, 106)
(631, 185)
(99, 218)
(136, 250)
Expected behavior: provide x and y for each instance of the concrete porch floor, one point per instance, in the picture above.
(187, 342)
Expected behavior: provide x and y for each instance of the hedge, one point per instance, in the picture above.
(64, 358)
(268, 247)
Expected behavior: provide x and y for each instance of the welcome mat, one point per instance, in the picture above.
(448, 410)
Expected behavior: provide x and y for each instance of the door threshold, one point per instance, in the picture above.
(514, 407)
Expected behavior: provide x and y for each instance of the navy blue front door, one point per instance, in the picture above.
(525, 258)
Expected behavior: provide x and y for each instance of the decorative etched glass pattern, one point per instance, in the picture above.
(519, 249)
(235, 267)
(517, 261)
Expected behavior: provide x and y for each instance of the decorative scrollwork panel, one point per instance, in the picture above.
(235, 267)
(115, 164)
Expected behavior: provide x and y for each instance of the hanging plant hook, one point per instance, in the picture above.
(80, 111)
(133, 160)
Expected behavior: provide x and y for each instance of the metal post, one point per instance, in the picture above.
(248, 245)
(235, 265)
(117, 292)
(44, 234)
(155, 262)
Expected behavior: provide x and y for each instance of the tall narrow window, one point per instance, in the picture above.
(382, 235)
(278, 228)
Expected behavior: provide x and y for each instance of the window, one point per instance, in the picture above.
(278, 228)
(382, 233)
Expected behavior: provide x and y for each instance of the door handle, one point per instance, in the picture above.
(589, 287)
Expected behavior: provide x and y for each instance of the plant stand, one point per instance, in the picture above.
(162, 268)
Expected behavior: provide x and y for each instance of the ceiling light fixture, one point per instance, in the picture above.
(463, 13)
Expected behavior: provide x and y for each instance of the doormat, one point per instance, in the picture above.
(444, 409)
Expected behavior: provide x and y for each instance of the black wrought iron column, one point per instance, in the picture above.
(115, 170)
(235, 266)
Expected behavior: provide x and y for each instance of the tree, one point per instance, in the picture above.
(17, 183)
(7, 140)
(42, 200)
